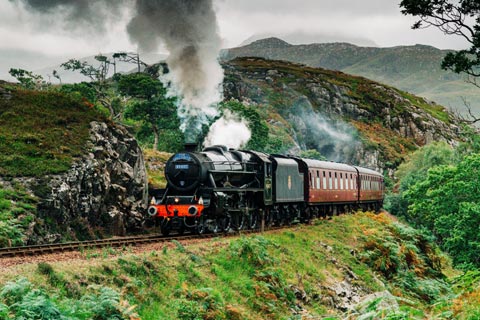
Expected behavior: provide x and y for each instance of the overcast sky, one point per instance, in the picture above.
(367, 22)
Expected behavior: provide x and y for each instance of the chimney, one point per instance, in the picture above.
(191, 147)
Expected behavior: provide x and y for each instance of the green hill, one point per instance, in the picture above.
(415, 69)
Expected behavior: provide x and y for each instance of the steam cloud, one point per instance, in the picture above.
(333, 139)
(229, 130)
(188, 28)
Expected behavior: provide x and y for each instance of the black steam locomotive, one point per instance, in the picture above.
(220, 188)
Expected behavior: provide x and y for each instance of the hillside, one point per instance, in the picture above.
(361, 266)
(415, 69)
(346, 118)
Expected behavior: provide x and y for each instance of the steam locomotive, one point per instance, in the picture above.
(220, 188)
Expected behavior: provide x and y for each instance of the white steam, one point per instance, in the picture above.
(334, 139)
(230, 131)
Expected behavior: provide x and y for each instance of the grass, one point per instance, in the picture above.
(280, 275)
(17, 211)
(437, 111)
(42, 132)
(155, 165)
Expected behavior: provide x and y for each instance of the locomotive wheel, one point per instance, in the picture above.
(238, 221)
(165, 228)
(201, 228)
(307, 215)
(222, 224)
(181, 231)
(253, 220)
(268, 218)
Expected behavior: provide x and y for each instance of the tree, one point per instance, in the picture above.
(128, 57)
(28, 79)
(447, 203)
(98, 76)
(415, 170)
(150, 104)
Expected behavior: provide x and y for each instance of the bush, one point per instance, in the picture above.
(254, 250)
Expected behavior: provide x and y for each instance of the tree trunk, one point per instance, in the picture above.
(155, 135)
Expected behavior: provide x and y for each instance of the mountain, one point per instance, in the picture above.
(415, 69)
(302, 37)
(24, 59)
(346, 118)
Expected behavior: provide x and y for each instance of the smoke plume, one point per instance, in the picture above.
(187, 28)
(229, 130)
(79, 15)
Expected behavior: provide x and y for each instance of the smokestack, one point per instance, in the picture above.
(190, 147)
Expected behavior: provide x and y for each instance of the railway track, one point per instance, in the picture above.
(36, 250)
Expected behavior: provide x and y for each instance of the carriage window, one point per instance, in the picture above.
(336, 181)
(311, 179)
(341, 181)
(330, 184)
(324, 182)
(318, 179)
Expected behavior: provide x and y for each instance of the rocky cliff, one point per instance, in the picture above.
(346, 118)
(84, 174)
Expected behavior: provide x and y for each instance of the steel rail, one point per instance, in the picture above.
(40, 249)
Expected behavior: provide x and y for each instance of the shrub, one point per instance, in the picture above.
(254, 250)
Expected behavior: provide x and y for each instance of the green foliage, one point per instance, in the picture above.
(28, 79)
(202, 303)
(104, 305)
(446, 202)
(79, 91)
(153, 110)
(311, 154)
(256, 124)
(415, 170)
(21, 300)
(98, 80)
(254, 250)
(17, 211)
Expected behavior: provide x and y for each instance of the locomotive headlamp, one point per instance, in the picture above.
(177, 200)
(153, 201)
(152, 211)
(200, 201)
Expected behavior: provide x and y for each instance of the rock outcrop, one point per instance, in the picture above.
(103, 193)
(346, 118)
